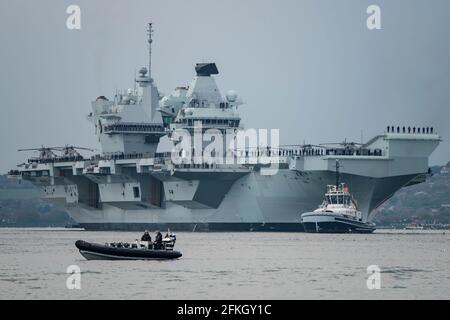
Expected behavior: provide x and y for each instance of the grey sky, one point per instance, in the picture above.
(310, 68)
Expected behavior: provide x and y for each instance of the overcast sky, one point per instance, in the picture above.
(310, 68)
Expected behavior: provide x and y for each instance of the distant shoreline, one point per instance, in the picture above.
(377, 232)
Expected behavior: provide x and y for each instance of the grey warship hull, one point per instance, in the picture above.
(253, 203)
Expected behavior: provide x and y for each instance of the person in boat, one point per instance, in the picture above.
(158, 240)
(169, 241)
(146, 236)
(171, 236)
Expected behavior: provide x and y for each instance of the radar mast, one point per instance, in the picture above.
(150, 33)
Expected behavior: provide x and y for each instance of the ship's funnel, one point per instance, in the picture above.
(206, 69)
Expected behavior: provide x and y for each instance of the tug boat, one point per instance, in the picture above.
(414, 226)
(338, 212)
(139, 250)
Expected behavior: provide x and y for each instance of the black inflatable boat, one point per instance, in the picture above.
(94, 251)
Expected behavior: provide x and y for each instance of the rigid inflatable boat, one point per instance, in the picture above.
(121, 251)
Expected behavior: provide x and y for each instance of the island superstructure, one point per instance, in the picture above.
(131, 185)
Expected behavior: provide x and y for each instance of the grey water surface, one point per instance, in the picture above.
(33, 264)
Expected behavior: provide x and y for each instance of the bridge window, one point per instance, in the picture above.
(136, 192)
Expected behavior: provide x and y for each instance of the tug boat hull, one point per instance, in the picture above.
(328, 223)
(94, 251)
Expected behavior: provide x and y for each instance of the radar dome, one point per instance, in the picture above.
(165, 101)
(143, 71)
(231, 96)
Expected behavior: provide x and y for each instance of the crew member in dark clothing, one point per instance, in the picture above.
(158, 240)
(146, 236)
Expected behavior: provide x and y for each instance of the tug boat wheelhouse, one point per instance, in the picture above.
(338, 212)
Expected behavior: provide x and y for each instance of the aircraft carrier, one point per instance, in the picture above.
(132, 185)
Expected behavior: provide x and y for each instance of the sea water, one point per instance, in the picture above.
(251, 265)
